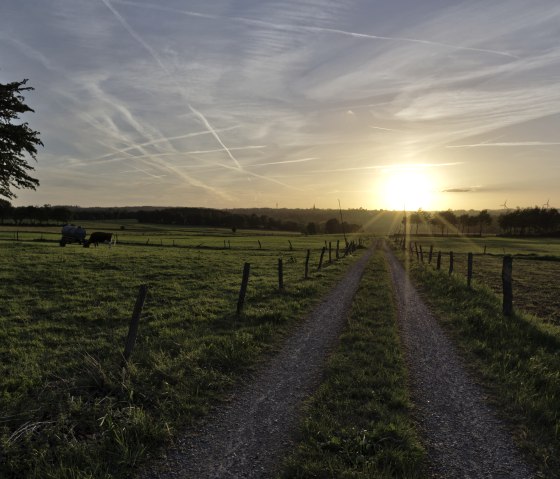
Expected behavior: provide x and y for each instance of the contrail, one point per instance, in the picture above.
(390, 167)
(411, 40)
(335, 31)
(301, 160)
(144, 171)
(155, 56)
(506, 144)
(163, 140)
(125, 151)
(250, 173)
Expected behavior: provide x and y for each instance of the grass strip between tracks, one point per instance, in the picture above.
(358, 424)
(517, 358)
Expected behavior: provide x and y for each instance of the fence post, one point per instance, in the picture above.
(416, 251)
(450, 262)
(243, 290)
(431, 254)
(438, 265)
(280, 274)
(330, 252)
(133, 328)
(421, 254)
(507, 268)
(307, 263)
(291, 247)
(469, 269)
(337, 249)
(260, 245)
(321, 258)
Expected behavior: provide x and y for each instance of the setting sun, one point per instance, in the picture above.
(409, 188)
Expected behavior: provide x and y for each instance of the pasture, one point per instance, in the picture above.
(536, 268)
(69, 408)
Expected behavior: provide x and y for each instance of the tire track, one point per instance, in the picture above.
(249, 437)
(463, 436)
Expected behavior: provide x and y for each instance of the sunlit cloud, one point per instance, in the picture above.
(189, 104)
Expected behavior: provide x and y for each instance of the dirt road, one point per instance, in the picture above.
(249, 437)
(463, 436)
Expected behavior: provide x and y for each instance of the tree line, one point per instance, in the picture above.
(531, 221)
(526, 221)
(58, 215)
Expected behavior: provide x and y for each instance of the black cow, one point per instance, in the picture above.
(98, 237)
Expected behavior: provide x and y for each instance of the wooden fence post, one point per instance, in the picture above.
(307, 263)
(431, 254)
(280, 274)
(321, 258)
(337, 249)
(450, 262)
(416, 250)
(243, 290)
(133, 328)
(260, 245)
(469, 269)
(507, 268)
(291, 247)
(421, 254)
(330, 252)
(438, 264)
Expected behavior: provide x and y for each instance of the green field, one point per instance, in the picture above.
(536, 268)
(69, 409)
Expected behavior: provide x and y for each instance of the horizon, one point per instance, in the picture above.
(252, 103)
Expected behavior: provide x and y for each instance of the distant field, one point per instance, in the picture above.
(68, 409)
(536, 268)
(129, 232)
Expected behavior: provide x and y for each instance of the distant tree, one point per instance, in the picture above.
(311, 228)
(463, 222)
(415, 219)
(483, 219)
(332, 226)
(5, 210)
(16, 140)
(448, 219)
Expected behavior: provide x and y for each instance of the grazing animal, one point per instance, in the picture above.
(99, 237)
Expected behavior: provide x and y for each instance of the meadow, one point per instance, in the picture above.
(68, 407)
(536, 268)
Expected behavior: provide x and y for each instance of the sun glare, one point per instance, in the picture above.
(406, 188)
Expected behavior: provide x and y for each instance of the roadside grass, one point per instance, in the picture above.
(67, 407)
(358, 424)
(517, 359)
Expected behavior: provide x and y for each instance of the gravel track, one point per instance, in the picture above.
(248, 437)
(463, 436)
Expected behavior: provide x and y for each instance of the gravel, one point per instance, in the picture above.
(248, 437)
(463, 436)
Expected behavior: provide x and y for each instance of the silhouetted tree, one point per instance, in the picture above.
(5, 210)
(16, 140)
(332, 226)
(483, 219)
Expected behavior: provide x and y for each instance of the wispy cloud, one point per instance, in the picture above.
(507, 144)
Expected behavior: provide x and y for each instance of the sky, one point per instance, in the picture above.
(381, 104)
